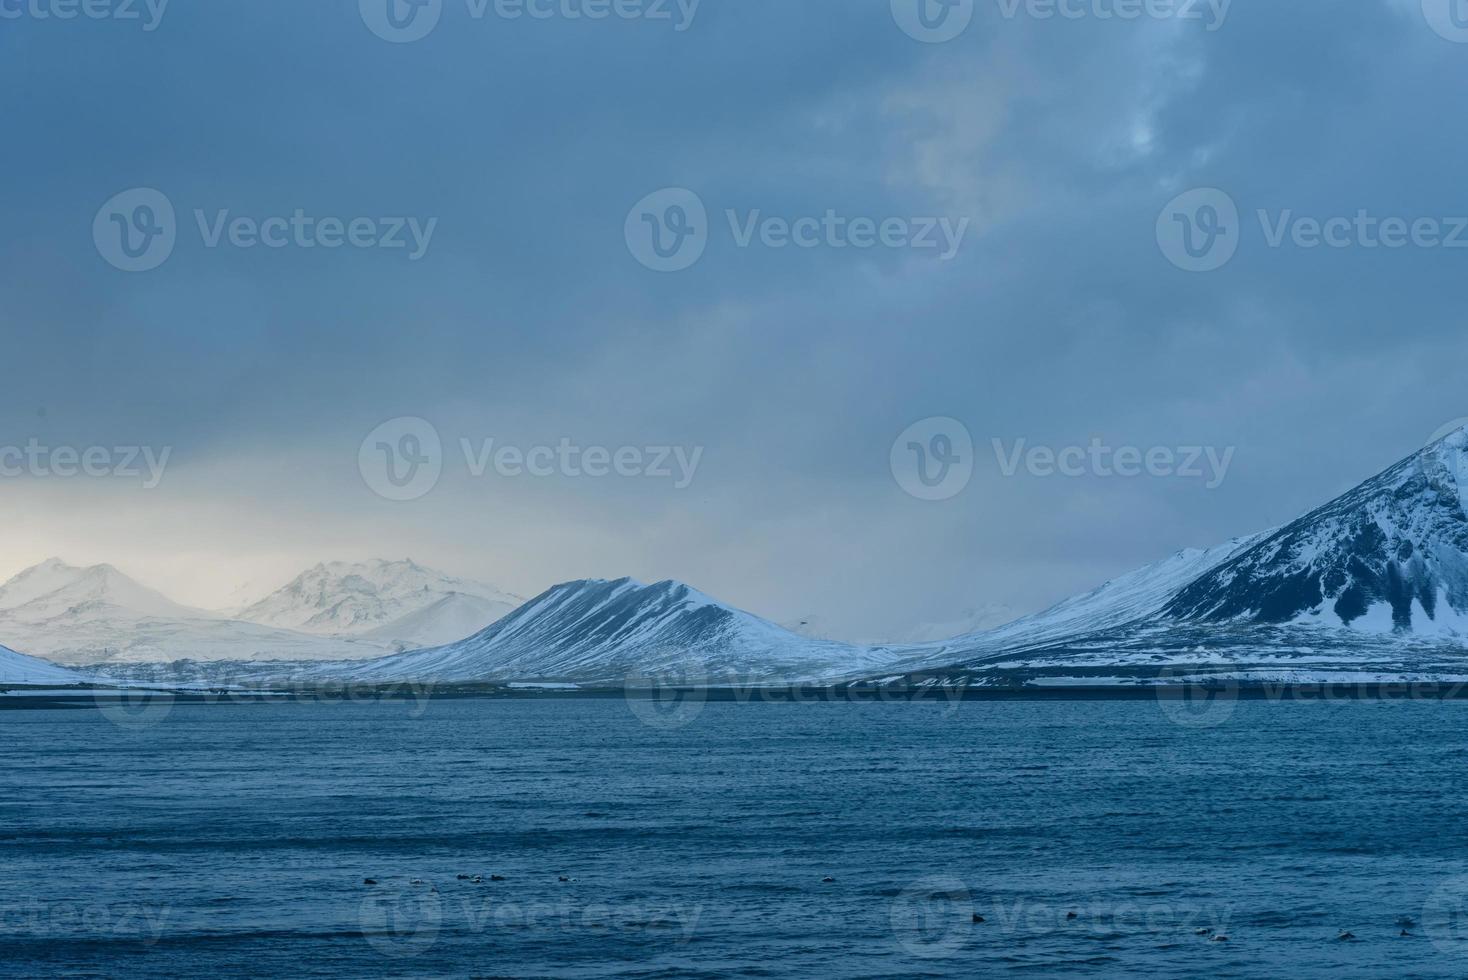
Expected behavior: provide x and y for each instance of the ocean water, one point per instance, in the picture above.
(1092, 838)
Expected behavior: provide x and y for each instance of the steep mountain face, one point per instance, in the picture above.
(29, 671)
(602, 632)
(1390, 556)
(1373, 586)
(398, 603)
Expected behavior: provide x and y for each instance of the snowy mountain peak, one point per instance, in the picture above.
(1444, 465)
(54, 587)
(399, 602)
(598, 630)
(1389, 556)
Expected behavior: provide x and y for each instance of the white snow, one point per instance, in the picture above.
(17, 668)
(399, 603)
(98, 615)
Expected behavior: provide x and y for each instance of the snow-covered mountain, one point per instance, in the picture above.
(95, 615)
(1372, 585)
(54, 588)
(603, 631)
(18, 669)
(397, 603)
(1390, 556)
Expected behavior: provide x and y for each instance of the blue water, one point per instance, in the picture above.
(234, 840)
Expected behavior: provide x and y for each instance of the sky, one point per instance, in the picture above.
(749, 288)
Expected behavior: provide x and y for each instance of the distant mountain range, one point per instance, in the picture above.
(1372, 586)
(337, 611)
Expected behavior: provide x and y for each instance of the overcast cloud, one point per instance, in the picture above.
(525, 317)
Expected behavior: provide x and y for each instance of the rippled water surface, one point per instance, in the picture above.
(235, 840)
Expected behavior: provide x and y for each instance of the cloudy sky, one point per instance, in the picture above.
(530, 305)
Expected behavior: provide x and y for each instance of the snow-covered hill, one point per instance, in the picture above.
(18, 669)
(398, 603)
(602, 632)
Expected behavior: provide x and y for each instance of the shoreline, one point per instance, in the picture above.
(84, 698)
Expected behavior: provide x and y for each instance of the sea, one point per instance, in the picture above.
(567, 837)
